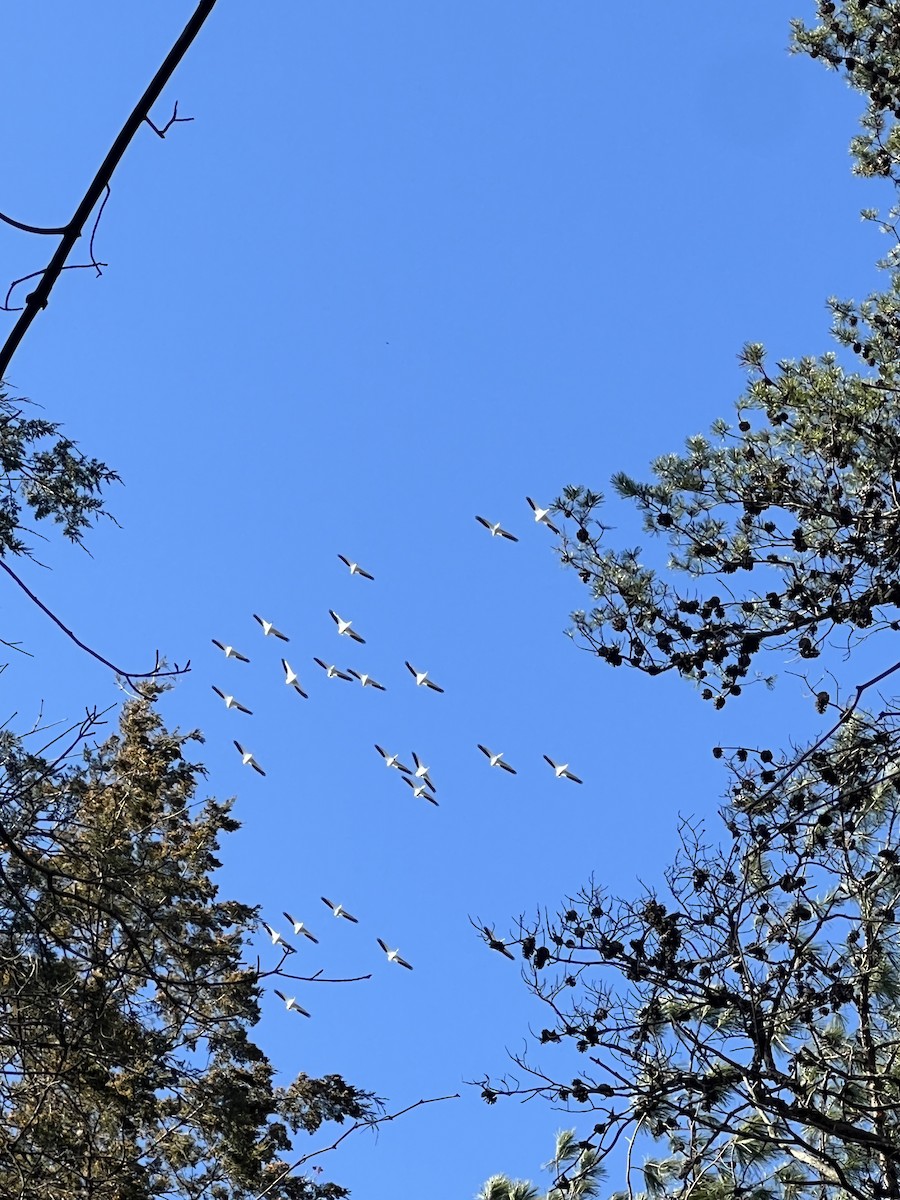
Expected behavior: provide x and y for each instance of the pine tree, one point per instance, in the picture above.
(741, 1024)
(126, 1005)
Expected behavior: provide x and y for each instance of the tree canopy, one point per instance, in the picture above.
(128, 1066)
(740, 1023)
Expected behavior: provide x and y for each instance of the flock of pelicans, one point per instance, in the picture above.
(417, 776)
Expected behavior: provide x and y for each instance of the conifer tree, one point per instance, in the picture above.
(740, 1025)
(126, 1001)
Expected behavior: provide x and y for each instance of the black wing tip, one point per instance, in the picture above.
(550, 761)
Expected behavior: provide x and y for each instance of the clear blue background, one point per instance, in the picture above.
(409, 263)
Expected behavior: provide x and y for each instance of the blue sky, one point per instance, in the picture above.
(410, 263)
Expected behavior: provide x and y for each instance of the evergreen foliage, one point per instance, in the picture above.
(742, 1023)
(126, 1005)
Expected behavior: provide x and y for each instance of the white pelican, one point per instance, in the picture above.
(541, 514)
(367, 680)
(248, 760)
(496, 943)
(420, 791)
(344, 627)
(561, 770)
(422, 678)
(496, 530)
(230, 652)
(355, 568)
(300, 928)
(496, 760)
(340, 911)
(393, 956)
(291, 1004)
(331, 670)
(421, 771)
(230, 701)
(392, 760)
(292, 679)
(269, 629)
(278, 940)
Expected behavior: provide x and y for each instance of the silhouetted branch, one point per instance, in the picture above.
(94, 262)
(38, 298)
(53, 229)
(7, 307)
(318, 978)
(369, 1123)
(130, 676)
(173, 120)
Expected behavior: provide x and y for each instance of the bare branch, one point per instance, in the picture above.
(40, 229)
(368, 1123)
(39, 297)
(173, 120)
(129, 676)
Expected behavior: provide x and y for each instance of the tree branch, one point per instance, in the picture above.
(370, 1123)
(39, 297)
(130, 676)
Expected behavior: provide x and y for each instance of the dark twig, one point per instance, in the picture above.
(7, 307)
(130, 676)
(846, 713)
(318, 977)
(369, 1123)
(94, 233)
(173, 120)
(38, 298)
(60, 229)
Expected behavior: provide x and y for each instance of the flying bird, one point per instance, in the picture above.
(292, 679)
(496, 943)
(367, 680)
(496, 760)
(392, 760)
(561, 770)
(278, 940)
(291, 1004)
(340, 911)
(496, 530)
(331, 670)
(422, 678)
(300, 928)
(421, 771)
(420, 791)
(230, 652)
(269, 629)
(344, 627)
(230, 701)
(541, 514)
(393, 956)
(355, 568)
(248, 760)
